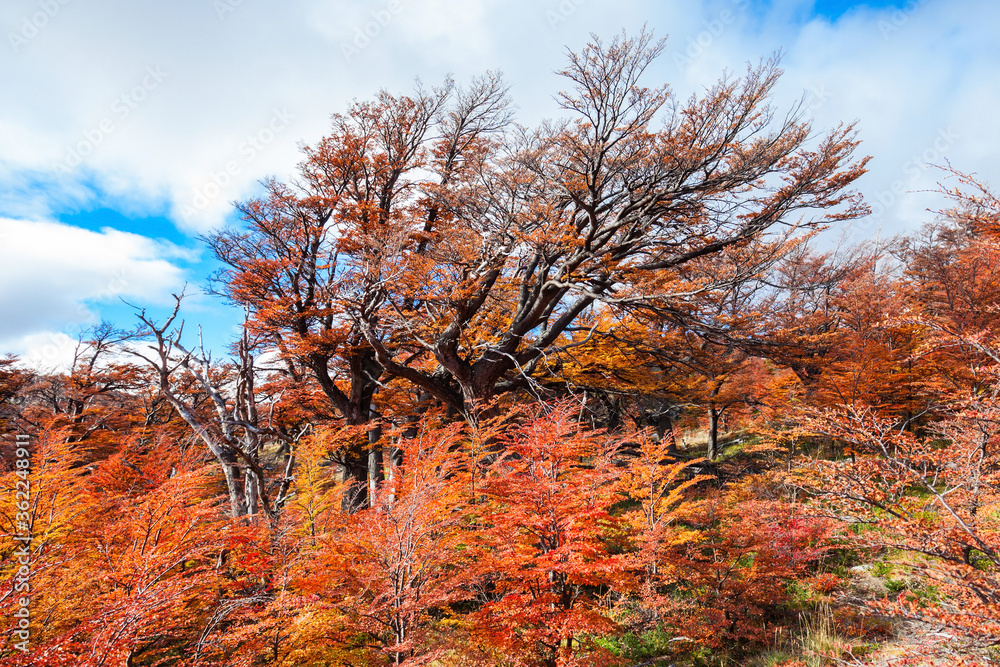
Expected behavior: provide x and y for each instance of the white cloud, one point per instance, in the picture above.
(163, 99)
(919, 81)
(45, 351)
(56, 276)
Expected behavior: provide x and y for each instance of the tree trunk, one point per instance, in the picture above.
(251, 492)
(376, 472)
(356, 475)
(231, 471)
(713, 433)
(665, 429)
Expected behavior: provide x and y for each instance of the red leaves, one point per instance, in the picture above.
(924, 494)
(431, 259)
(547, 527)
(117, 576)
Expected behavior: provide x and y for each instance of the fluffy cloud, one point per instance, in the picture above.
(139, 105)
(55, 277)
(145, 107)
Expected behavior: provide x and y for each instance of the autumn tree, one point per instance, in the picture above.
(927, 495)
(600, 208)
(233, 429)
(928, 492)
(392, 566)
(711, 366)
(713, 562)
(430, 242)
(13, 381)
(953, 286)
(95, 396)
(658, 488)
(317, 251)
(550, 530)
(712, 356)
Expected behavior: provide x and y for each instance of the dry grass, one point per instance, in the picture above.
(819, 640)
(816, 644)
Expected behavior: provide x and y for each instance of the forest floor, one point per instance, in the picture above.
(839, 627)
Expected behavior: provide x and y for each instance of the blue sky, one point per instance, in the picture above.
(128, 129)
(834, 9)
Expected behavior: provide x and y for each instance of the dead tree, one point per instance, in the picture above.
(235, 433)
